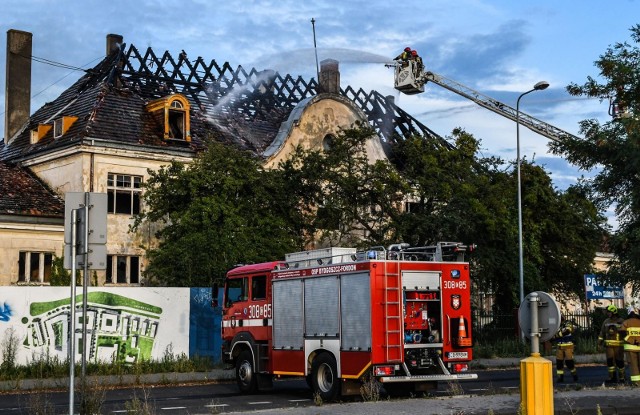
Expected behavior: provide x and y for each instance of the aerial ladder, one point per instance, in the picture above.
(410, 78)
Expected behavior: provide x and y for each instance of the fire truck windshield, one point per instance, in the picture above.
(236, 290)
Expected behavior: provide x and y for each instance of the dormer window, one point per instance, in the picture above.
(57, 128)
(61, 125)
(172, 113)
(177, 121)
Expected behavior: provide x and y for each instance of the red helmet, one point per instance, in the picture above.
(407, 49)
(414, 53)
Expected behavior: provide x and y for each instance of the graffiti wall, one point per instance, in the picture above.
(124, 324)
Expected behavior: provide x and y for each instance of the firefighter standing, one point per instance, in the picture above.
(632, 342)
(404, 56)
(415, 57)
(612, 340)
(564, 350)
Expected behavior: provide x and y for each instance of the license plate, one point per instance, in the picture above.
(458, 355)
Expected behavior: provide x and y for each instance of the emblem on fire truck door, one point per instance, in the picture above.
(455, 301)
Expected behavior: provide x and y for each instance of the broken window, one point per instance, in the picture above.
(123, 269)
(123, 193)
(35, 267)
(57, 128)
(172, 114)
(176, 121)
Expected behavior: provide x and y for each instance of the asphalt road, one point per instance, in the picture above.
(496, 390)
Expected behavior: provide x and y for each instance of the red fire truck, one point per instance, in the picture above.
(338, 316)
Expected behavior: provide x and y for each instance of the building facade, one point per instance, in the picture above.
(137, 111)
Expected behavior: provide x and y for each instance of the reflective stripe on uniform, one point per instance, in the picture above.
(633, 331)
(631, 348)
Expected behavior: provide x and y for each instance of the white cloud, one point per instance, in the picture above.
(498, 47)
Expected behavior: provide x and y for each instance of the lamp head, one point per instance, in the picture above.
(541, 85)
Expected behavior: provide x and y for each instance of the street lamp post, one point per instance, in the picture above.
(537, 87)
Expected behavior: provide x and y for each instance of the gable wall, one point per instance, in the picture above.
(308, 128)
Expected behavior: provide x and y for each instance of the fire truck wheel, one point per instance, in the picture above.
(324, 377)
(245, 373)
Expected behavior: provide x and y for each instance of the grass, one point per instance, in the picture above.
(45, 366)
(514, 347)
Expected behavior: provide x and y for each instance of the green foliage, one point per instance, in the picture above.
(8, 350)
(62, 277)
(59, 275)
(507, 347)
(346, 198)
(221, 210)
(226, 209)
(45, 366)
(459, 196)
(611, 149)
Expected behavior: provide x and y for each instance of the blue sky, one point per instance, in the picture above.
(500, 48)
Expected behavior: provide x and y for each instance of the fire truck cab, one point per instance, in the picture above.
(338, 316)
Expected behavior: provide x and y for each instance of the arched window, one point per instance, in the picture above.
(327, 142)
(173, 113)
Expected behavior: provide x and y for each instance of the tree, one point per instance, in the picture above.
(459, 196)
(346, 198)
(612, 148)
(59, 275)
(221, 210)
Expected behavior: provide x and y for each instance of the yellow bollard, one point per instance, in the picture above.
(536, 385)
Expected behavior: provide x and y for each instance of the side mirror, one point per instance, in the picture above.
(214, 295)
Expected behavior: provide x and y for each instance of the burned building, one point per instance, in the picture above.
(138, 110)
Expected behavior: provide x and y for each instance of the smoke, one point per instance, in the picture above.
(304, 60)
(235, 94)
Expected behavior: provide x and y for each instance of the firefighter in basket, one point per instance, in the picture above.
(403, 58)
(631, 328)
(564, 350)
(612, 340)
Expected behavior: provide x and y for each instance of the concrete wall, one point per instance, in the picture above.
(125, 324)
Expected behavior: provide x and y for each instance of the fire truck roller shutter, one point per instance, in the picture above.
(355, 305)
(287, 314)
(321, 313)
(421, 280)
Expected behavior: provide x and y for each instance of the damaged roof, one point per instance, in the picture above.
(235, 106)
(24, 194)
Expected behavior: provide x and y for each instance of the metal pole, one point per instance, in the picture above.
(315, 48)
(537, 87)
(85, 283)
(535, 330)
(72, 312)
(520, 249)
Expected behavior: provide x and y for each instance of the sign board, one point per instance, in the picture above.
(595, 291)
(97, 219)
(91, 229)
(548, 316)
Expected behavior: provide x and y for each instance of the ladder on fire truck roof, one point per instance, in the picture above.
(394, 333)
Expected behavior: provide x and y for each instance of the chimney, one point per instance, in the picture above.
(329, 76)
(17, 91)
(113, 42)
